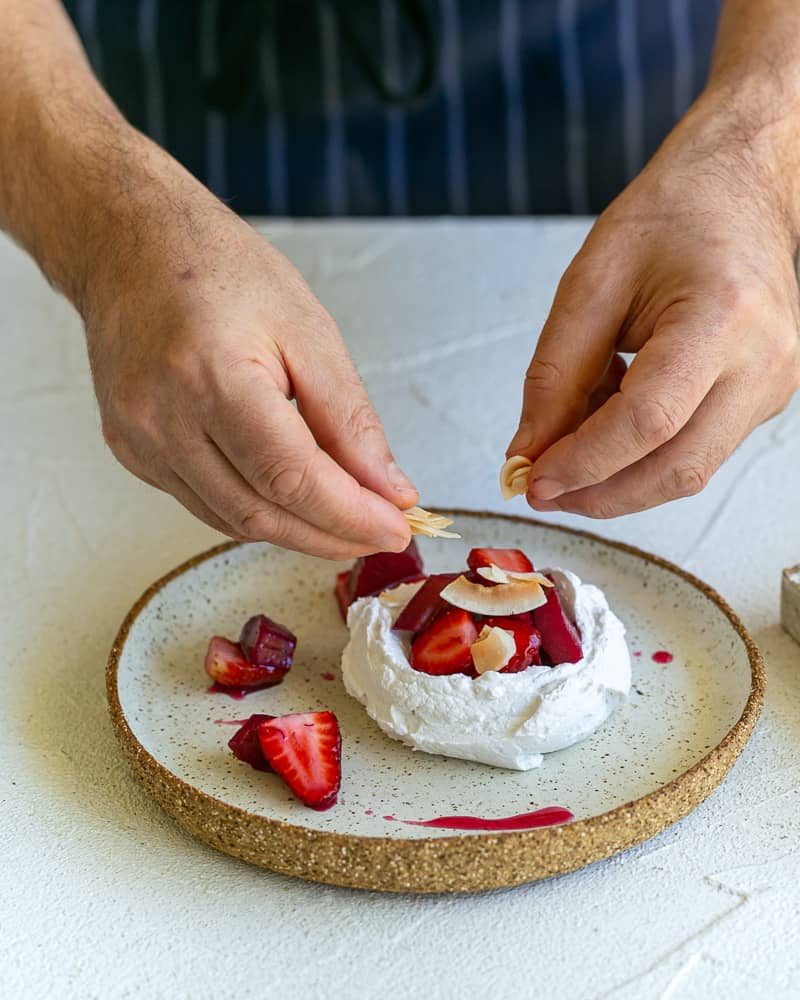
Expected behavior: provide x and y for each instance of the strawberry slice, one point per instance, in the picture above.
(425, 605)
(444, 648)
(245, 745)
(510, 559)
(560, 638)
(227, 665)
(527, 638)
(305, 749)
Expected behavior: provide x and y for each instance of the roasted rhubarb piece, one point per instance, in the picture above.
(444, 647)
(227, 665)
(268, 645)
(372, 574)
(245, 744)
(425, 605)
(510, 559)
(305, 749)
(560, 639)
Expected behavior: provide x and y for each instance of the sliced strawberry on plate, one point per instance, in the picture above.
(514, 560)
(528, 640)
(425, 605)
(305, 749)
(269, 645)
(227, 665)
(560, 638)
(444, 647)
(245, 744)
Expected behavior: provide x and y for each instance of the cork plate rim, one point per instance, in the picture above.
(458, 863)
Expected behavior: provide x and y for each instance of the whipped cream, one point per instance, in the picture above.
(508, 720)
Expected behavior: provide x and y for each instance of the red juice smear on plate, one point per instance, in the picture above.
(234, 692)
(638, 652)
(230, 722)
(328, 676)
(549, 816)
(662, 656)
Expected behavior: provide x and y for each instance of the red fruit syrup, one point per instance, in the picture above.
(549, 816)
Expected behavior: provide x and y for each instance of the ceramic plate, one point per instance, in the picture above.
(657, 758)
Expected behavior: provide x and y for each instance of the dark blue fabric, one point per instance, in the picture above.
(354, 131)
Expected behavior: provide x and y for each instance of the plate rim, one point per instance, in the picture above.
(461, 862)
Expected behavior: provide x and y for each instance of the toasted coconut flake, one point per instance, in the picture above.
(514, 476)
(505, 599)
(425, 522)
(493, 649)
(499, 575)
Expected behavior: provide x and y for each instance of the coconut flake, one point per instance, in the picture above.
(505, 599)
(493, 649)
(425, 522)
(497, 574)
(514, 476)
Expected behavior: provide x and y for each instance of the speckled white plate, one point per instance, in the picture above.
(654, 761)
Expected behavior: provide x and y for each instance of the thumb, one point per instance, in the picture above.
(334, 403)
(571, 359)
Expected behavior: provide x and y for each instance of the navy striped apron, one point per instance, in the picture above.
(404, 107)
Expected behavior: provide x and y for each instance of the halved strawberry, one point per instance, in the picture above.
(444, 648)
(425, 605)
(528, 640)
(245, 745)
(305, 749)
(510, 559)
(560, 638)
(227, 665)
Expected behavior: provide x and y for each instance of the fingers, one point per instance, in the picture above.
(572, 354)
(267, 441)
(679, 468)
(666, 383)
(211, 478)
(335, 405)
(609, 384)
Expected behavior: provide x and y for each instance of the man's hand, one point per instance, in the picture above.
(693, 269)
(198, 342)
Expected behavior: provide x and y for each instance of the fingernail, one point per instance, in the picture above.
(523, 439)
(545, 489)
(399, 479)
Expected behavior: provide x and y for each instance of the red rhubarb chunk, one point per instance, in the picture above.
(245, 744)
(425, 605)
(342, 591)
(227, 665)
(560, 638)
(305, 749)
(372, 574)
(269, 645)
(511, 559)
(444, 647)
(528, 640)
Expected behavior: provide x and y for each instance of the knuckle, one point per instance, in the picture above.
(363, 421)
(654, 421)
(254, 525)
(544, 376)
(687, 479)
(286, 483)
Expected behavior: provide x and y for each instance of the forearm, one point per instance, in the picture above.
(80, 189)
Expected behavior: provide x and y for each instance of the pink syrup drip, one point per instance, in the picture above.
(638, 652)
(662, 656)
(230, 722)
(549, 816)
(234, 692)
(368, 812)
(328, 676)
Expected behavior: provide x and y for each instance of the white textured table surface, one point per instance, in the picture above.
(102, 896)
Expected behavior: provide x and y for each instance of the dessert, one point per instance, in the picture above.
(501, 664)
